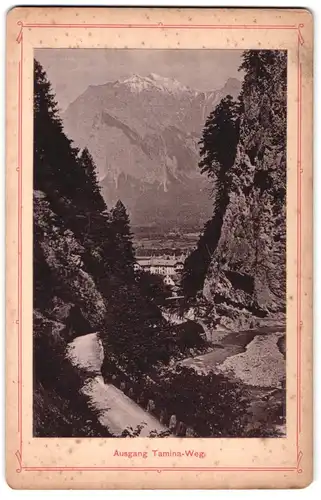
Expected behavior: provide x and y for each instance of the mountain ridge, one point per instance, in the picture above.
(146, 129)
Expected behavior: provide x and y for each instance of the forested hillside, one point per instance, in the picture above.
(84, 278)
(238, 266)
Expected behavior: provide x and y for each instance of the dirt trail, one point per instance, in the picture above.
(116, 411)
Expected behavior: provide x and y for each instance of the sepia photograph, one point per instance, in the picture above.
(159, 243)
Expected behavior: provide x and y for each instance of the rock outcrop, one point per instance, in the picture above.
(246, 275)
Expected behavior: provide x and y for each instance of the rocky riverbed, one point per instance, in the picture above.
(256, 359)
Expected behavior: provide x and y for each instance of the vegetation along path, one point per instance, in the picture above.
(117, 411)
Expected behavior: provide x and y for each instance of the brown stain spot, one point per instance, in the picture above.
(78, 441)
(40, 41)
(70, 450)
(290, 297)
(143, 43)
(66, 34)
(90, 33)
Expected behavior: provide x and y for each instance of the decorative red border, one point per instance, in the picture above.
(300, 41)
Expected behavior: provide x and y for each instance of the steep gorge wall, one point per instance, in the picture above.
(246, 276)
(69, 285)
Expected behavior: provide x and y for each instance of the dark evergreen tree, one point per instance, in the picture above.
(218, 149)
(122, 239)
(91, 189)
(134, 331)
(68, 179)
(55, 161)
(153, 287)
(219, 140)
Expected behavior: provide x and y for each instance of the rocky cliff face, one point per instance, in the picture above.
(246, 276)
(143, 133)
(61, 253)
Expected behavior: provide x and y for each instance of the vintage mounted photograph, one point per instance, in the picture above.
(159, 243)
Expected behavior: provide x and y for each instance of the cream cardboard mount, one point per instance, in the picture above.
(187, 364)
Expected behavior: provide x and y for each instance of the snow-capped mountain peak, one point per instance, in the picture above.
(137, 83)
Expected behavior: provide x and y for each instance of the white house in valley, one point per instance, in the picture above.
(167, 266)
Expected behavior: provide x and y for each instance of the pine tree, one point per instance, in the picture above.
(68, 179)
(218, 150)
(122, 239)
(134, 331)
(219, 140)
(56, 170)
(91, 189)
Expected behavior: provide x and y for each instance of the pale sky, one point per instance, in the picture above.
(71, 71)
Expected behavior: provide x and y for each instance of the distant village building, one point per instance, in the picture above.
(168, 267)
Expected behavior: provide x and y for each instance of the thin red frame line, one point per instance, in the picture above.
(300, 248)
(299, 117)
(20, 222)
(160, 26)
(20, 249)
(205, 469)
(297, 251)
(18, 283)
